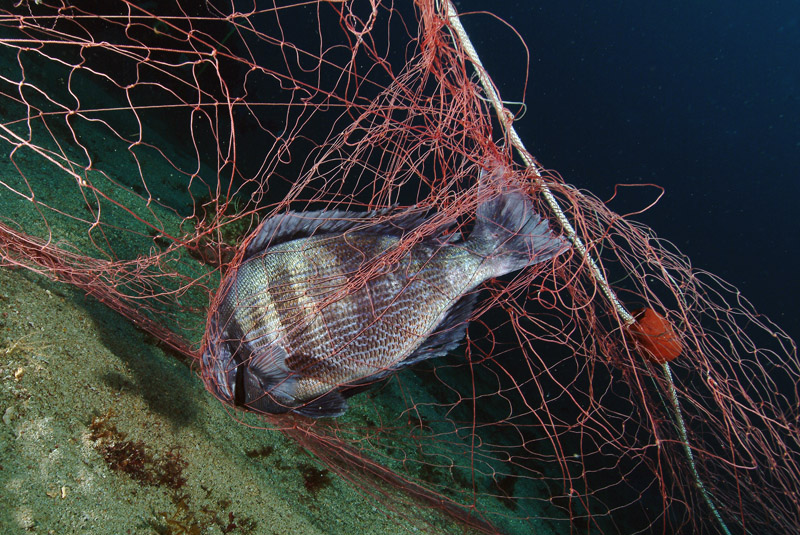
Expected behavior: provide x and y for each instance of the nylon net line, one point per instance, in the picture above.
(141, 149)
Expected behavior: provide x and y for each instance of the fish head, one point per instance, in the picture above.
(237, 377)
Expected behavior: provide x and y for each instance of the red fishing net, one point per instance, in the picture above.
(142, 145)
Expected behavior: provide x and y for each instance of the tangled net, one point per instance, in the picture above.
(142, 148)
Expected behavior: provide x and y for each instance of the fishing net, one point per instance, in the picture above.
(143, 142)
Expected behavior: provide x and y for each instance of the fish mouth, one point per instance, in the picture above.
(219, 370)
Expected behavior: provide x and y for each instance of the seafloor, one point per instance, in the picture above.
(102, 432)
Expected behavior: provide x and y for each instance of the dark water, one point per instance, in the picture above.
(700, 98)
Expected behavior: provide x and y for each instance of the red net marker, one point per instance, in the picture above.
(655, 336)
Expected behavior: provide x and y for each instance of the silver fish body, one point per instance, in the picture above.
(303, 324)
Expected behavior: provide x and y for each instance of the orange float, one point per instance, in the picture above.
(655, 336)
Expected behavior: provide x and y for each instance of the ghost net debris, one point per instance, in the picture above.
(141, 149)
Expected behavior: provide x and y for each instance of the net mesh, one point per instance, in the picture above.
(142, 147)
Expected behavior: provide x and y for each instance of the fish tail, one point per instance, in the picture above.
(508, 231)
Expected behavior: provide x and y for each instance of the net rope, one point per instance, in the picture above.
(506, 117)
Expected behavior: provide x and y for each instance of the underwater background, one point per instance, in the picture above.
(104, 432)
(700, 98)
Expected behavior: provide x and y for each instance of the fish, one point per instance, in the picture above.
(324, 304)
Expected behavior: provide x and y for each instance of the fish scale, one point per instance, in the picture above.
(363, 332)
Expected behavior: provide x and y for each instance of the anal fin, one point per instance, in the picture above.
(328, 405)
(447, 335)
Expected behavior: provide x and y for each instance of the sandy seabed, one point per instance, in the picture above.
(103, 432)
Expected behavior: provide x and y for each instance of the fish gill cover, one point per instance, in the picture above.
(145, 142)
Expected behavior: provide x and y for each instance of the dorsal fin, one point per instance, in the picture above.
(295, 225)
